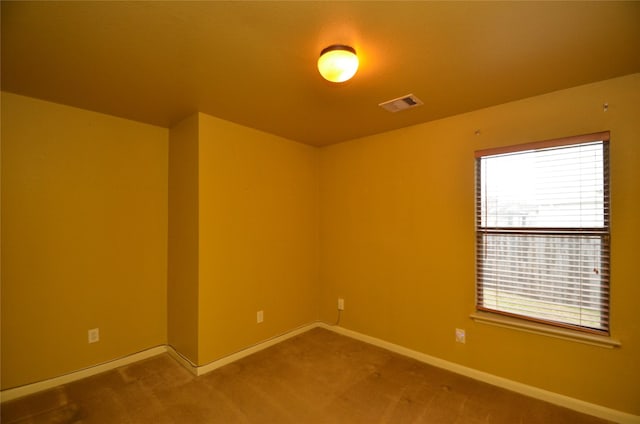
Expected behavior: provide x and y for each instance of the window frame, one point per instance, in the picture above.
(603, 233)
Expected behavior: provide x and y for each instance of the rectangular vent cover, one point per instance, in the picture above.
(401, 103)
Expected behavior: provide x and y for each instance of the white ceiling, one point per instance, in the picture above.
(254, 62)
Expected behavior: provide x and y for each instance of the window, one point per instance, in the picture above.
(542, 230)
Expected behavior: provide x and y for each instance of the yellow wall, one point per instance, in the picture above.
(84, 217)
(182, 275)
(397, 226)
(259, 222)
(243, 237)
(258, 236)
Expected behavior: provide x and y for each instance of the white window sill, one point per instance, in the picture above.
(530, 327)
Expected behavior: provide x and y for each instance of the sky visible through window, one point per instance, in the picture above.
(547, 188)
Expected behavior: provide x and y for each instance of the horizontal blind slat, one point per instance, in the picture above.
(542, 217)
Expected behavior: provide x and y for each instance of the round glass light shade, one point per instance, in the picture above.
(338, 63)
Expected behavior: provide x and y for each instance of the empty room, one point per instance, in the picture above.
(320, 212)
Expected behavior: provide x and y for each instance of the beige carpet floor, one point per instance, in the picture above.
(316, 377)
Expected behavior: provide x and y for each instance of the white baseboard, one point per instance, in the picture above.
(182, 360)
(28, 389)
(39, 386)
(531, 391)
(203, 369)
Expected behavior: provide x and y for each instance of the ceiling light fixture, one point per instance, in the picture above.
(338, 63)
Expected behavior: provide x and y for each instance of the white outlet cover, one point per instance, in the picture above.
(460, 336)
(94, 335)
(259, 317)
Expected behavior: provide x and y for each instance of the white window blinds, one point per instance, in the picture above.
(542, 227)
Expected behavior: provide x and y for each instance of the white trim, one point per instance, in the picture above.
(182, 360)
(203, 369)
(544, 330)
(28, 389)
(531, 391)
(525, 389)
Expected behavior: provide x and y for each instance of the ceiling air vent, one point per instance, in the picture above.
(401, 103)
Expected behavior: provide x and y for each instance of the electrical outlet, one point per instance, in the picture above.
(340, 304)
(259, 317)
(94, 335)
(460, 336)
